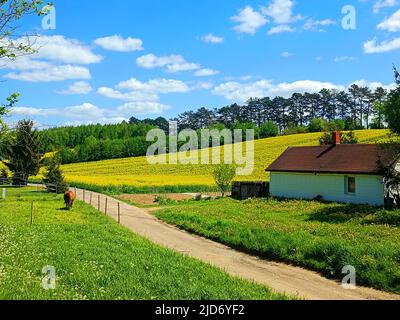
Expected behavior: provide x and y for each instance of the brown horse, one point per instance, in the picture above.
(69, 198)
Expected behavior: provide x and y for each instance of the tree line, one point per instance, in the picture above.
(359, 107)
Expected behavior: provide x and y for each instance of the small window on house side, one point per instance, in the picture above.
(351, 185)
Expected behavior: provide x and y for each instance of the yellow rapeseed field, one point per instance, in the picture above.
(137, 172)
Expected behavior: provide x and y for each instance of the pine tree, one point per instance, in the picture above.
(54, 177)
(23, 153)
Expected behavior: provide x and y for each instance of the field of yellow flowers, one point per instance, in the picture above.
(137, 172)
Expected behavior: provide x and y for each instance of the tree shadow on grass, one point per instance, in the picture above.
(343, 213)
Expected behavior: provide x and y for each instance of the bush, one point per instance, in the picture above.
(345, 138)
(223, 176)
(53, 177)
(4, 178)
(336, 125)
(317, 125)
(269, 129)
(296, 130)
(246, 126)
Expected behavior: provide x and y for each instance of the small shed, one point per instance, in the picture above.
(340, 173)
(242, 190)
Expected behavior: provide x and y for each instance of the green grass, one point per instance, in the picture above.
(321, 237)
(113, 190)
(95, 258)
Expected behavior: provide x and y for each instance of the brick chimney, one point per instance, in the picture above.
(336, 138)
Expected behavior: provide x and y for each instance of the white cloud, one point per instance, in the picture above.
(344, 58)
(281, 11)
(210, 38)
(249, 20)
(172, 63)
(80, 87)
(203, 85)
(83, 111)
(141, 108)
(154, 86)
(380, 4)
(205, 73)
(286, 54)
(392, 23)
(281, 29)
(60, 49)
(241, 92)
(23, 63)
(57, 73)
(56, 59)
(88, 113)
(316, 25)
(117, 43)
(236, 91)
(374, 85)
(134, 90)
(372, 46)
(287, 89)
(127, 96)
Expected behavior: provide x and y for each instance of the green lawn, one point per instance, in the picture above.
(322, 237)
(95, 258)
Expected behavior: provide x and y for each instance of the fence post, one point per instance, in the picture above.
(4, 194)
(91, 195)
(119, 214)
(32, 207)
(106, 207)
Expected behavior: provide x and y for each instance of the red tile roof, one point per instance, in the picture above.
(351, 158)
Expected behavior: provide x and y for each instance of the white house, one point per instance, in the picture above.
(340, 173)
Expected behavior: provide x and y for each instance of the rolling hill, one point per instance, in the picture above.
(138, 174)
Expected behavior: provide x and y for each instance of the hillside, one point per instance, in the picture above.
(137, 173)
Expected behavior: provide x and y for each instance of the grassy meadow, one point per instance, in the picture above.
(319, 236)
(133, 175)
(95, 258)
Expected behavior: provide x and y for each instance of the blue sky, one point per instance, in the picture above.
(112, 60)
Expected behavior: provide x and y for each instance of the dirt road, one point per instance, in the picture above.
(278, 276)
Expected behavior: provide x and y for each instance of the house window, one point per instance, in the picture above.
(351, 185)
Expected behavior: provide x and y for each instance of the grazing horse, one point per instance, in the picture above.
(69, 198)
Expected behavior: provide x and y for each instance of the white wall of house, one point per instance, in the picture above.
(332, 187)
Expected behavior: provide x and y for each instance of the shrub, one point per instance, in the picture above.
(269, 129)
(296, 130)
(336, 125)
(317, 125)
(54, 177)
(345, 138)
(223, 176)
(4, 179)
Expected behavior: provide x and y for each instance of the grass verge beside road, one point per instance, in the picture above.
(318, 236)
(95, 258)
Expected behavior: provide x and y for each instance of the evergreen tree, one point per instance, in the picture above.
(23, 153)
(54, 177)
(392, 106)
(379, 97)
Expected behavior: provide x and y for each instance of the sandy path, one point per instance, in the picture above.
(278, 276)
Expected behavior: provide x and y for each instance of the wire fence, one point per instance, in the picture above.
(107, 205)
